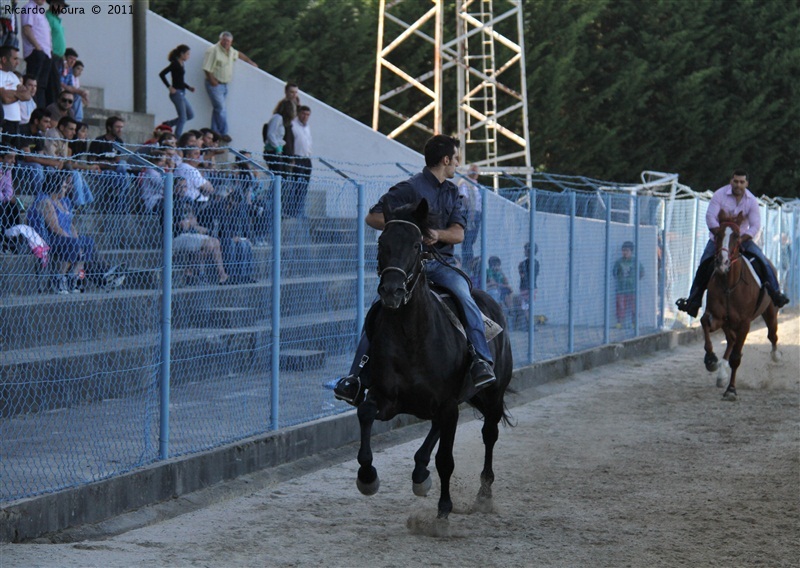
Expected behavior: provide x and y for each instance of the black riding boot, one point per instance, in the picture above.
(691, 305)
(480, 371)
(352, 388)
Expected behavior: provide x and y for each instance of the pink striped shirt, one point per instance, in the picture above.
(724, 200)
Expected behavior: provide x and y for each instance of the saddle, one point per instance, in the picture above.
(448, 302)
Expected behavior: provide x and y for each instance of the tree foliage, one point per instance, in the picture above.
(614, 86)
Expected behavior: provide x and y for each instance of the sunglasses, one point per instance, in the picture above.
(65, 100)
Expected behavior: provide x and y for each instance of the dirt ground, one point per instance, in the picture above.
(638, 463)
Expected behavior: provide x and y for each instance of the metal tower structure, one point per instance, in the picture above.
(492, 102)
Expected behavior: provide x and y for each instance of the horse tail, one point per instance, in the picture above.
(506, 418)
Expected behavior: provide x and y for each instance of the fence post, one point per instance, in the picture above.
(166, 319)
(637, 289)
(360, 278)
(484, 256)
(607, 272)
(531, 271)
(274, 416)
(695, 240)
(571, 307)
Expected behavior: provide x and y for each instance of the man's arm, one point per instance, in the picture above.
(246, 59)
(375, 220)
(452, 235)
(713, 210)
(753, 221)
(27, 32)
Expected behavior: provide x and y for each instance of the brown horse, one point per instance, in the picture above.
(734, 300)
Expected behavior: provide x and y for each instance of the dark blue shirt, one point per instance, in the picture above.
(444, 204)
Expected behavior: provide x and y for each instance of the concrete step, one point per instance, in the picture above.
(52, 319)
(78, 372)
(301, 359)
(138, 126)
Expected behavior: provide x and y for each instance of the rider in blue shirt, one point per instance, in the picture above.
(448, 220)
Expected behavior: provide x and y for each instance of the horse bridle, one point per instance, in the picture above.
(733, 249)
(419, 263)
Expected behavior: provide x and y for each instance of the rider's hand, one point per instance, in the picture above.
(433, 239)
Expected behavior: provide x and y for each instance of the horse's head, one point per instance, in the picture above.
(726, 238)
(400, 252)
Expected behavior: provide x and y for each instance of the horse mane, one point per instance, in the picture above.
(416, 213)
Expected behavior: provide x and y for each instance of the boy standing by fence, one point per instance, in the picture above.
(625, 285)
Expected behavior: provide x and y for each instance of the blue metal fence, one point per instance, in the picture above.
(169, 361)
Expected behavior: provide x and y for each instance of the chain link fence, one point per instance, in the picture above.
(151, 311)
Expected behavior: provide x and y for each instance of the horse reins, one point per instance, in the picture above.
(416, 271)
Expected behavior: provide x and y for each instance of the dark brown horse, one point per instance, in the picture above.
(734, 300)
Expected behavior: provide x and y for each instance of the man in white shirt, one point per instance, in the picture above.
(198, 188)
(302, 161)
(12, 92)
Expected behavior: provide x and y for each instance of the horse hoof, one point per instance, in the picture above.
(711, 362)
(776, 356)
(730, 396)
(368, 488)
(421, 489)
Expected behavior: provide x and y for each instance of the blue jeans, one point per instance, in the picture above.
(184, 110)
(457, 285)
(219, 116)
(752, 249)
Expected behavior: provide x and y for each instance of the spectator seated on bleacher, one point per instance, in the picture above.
(62, 107)
(56, 144)
(52, 217)
(32, 159)
(193, 239)
(151, 182)
(237, 251)
(113, 176)
(198, 189)
(79, 146)
(16, 237)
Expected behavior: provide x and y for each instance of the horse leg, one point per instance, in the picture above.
(367, 480)
(735, 358)
(448, 421)
(490, 433)
(710, 359)
(770, 316)
(421, 477)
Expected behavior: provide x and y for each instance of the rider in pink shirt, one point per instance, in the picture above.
(733, 198)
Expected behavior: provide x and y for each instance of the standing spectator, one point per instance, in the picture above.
(37, 47)
(27, 107)
(302, 160)
(291, 92)
(624, 274)
(524, 280)
(177, 90)
(59, 47)
(71, 83)
(62, 107)
(274, 134)
(218, 68)
(8, 24)
(13, 92)
(470, 192)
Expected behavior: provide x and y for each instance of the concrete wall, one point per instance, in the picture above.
(104, 44)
